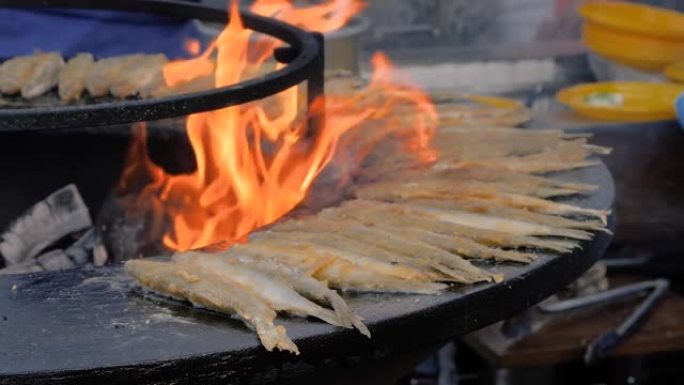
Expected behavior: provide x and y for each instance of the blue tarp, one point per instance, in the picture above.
(102, 33)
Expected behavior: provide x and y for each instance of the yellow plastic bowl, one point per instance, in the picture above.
(496, 101)
(640, 101)
(636, 35)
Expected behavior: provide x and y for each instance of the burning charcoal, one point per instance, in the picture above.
(48, 221)
(127, 230)
(78, 254)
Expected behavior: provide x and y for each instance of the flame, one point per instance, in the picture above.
(327, 17)
(257, 161)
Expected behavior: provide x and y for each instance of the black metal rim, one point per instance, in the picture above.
(306, 64)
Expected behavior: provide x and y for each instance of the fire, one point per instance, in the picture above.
(327, 17)
(256, 162)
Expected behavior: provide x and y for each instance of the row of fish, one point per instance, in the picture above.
(409, 230)
(125, 76)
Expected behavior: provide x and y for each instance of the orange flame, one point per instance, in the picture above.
(327, 17)
(257, 161)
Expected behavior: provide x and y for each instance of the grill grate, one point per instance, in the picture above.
(303, 55)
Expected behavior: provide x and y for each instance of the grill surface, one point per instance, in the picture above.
(304, 56)
(86, 326)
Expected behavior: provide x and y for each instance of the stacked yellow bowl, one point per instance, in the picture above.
(636, 35)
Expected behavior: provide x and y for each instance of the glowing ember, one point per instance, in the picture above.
(255, 162)
(193, 47)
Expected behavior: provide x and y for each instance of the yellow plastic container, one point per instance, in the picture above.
(675, 71)
(636, 35)
(623, 101)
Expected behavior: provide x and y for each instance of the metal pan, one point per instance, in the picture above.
(91, 326)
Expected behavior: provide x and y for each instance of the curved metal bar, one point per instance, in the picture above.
(306, 65)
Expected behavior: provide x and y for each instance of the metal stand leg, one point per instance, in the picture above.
(316, 89)
(315, 83)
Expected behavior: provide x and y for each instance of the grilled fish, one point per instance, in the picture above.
(15, 73)
(107, 72)
(72, 78)
(142, 77)
(185, 282)
(279, 294)
(44, 75)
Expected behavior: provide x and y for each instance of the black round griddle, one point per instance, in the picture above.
(94, 326)
(304, 55)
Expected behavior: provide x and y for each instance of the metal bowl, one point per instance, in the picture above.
(343, 47)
